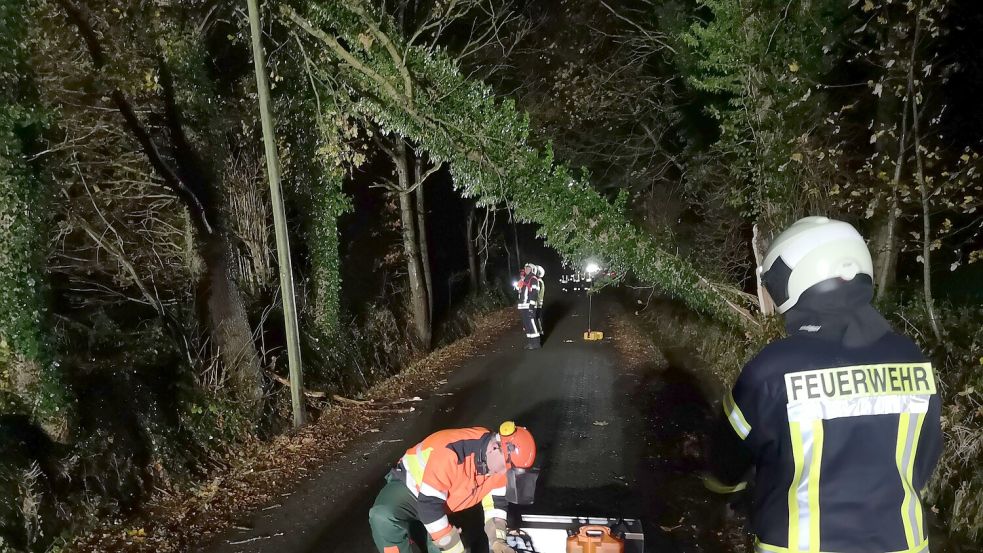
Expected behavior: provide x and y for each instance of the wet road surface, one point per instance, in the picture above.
(613, 441)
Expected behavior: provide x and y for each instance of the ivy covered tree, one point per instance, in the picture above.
(30, 380)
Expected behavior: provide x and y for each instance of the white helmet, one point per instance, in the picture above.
(813, 250)
(540, 271)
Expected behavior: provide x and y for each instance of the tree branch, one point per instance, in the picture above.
(79, 18)
(344, 54)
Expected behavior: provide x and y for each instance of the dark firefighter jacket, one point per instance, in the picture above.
(448, 472)
(841, 421)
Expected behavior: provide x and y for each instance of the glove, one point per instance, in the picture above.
(499, 546)
(495, 530)
(451, 543)
(713, 484)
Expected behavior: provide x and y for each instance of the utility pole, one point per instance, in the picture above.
(279, 220)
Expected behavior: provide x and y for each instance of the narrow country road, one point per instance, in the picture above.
(613, 440)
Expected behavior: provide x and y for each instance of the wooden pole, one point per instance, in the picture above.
(279, 220)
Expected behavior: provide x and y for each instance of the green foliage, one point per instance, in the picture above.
(327, 204)
(763, 62)
(314, 166)
(29, 380)
(421, 94)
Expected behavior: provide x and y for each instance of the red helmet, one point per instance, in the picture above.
(518, 445)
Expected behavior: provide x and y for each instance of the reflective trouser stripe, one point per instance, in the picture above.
(760, 547)
(529, 323)
(803, 493)
(911, 507)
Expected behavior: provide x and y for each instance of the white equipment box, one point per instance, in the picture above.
(549, 533)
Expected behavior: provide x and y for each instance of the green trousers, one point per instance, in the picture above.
(396, 526)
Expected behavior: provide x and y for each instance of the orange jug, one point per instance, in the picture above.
(594, 539)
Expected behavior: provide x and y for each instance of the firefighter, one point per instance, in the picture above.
(450, 471)
(540, 273)
(841, 419)
(528, 302)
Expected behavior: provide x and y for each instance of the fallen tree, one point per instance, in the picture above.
(420, 93)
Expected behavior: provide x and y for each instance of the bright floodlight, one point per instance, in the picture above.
(592, 268)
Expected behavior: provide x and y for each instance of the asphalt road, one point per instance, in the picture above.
(612, 441)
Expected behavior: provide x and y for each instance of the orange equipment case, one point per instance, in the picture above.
(595, 539)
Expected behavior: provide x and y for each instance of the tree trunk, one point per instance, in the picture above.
(926, 218)
(411, 249)
(421, 218)
(926, 234)
(229, 323)
(485, 233)
(886, 240)
(472, 254)
(765, 302)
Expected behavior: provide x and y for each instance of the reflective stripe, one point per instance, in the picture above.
(500, 492)
(427, 489)
(410, 480)
(808, 410)
(487, 503)
(919, 522)
(415, 465)
(761, 547)
(458, 548)
(803, 493)
(436, 526)
(496, 513)
(911, 508)
(735, 416)
(533, 335)
(814, 473)
(794, 538)
(524, 305)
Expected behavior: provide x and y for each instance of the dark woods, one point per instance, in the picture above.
(140, 328)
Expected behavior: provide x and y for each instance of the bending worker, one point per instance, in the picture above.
(450, 471)
(528, 302)
(841, 419)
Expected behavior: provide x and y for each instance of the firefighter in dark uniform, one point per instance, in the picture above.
(541, 301)
(528, 302)
(841, 419)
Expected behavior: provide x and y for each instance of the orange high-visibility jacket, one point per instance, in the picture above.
(447, 472)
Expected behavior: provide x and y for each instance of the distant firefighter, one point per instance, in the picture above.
(529, 298)
(540, 273)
